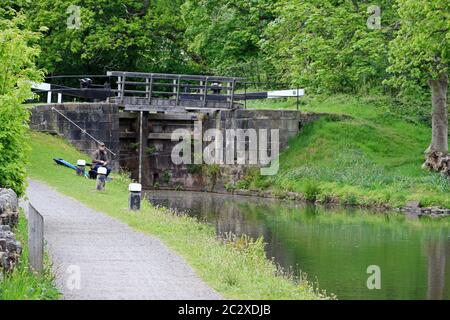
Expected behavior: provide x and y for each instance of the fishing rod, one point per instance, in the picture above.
(117, 157)
(82, 130)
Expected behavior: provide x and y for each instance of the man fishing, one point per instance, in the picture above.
(100, 158)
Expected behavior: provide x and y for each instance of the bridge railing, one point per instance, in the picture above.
(136, 90)
(146, 87)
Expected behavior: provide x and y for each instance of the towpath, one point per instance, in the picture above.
(97, 257)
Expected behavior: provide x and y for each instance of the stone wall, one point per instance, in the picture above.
(164, 174)
(10, 248)
(288, 122)
(101, 120)
(119, 129)
(9, 207)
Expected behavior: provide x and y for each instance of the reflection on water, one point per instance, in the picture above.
(334, 247)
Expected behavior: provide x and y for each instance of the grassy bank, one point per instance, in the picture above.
(371, 158)
(21, 284)
(236, 268)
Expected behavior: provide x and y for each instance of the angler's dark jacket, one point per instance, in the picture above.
(98, 155)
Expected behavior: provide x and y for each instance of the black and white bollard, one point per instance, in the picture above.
(134, 201)
(101, 178)
(81, 168)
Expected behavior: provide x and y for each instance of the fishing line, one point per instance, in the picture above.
(82, 130)
(98, 141)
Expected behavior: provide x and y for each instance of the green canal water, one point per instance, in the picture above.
(334, 246)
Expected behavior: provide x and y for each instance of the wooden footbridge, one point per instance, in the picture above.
(160, 92)
(155, 91)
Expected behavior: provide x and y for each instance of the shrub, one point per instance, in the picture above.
(18, 54)
(166, 176)
(311, 191)
(211, 171)
(150, 150)
(194, 168)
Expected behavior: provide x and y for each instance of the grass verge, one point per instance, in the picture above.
(373, 157)
(237, 268)
(23, 285)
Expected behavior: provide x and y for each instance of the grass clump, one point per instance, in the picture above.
(21, 284)
(237, 269)
(311, 191)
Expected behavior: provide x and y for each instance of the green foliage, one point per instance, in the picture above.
(323, 45)
(150, 150)
(194, 168)
(134, 145)
(212, 171)
(327, 46)
(311, 191)
(17, 70)
(166, 176)
(113, 35)
(224, 36)
(246, 245)
(23, 285)
(252, 179)
(420, 54)
(421, 49)
(371, 157)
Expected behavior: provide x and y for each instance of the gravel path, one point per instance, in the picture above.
(112, 260)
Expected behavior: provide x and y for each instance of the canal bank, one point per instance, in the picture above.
(235, 267)
(334, 245)
(371, 156)
(412, 208)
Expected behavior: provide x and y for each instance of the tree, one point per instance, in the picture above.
(326, 45)
(223, 36)
(421, 52)
(125, 35)
(17, 71)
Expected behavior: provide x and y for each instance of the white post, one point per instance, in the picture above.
(49, 97)
(119, 87)
(81, 167)
(101, 178)
(134, 200)
(60, 98)
(174, 88)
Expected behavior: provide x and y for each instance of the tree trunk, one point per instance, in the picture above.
(439, 141)
(436, 252)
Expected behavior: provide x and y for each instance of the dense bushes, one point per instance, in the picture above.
(17, 70)
(326, 46)
(112, 35)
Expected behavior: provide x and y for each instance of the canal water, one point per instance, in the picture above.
(334, 247)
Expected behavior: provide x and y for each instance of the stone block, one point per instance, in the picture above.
(10, 249)
(9, 208)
